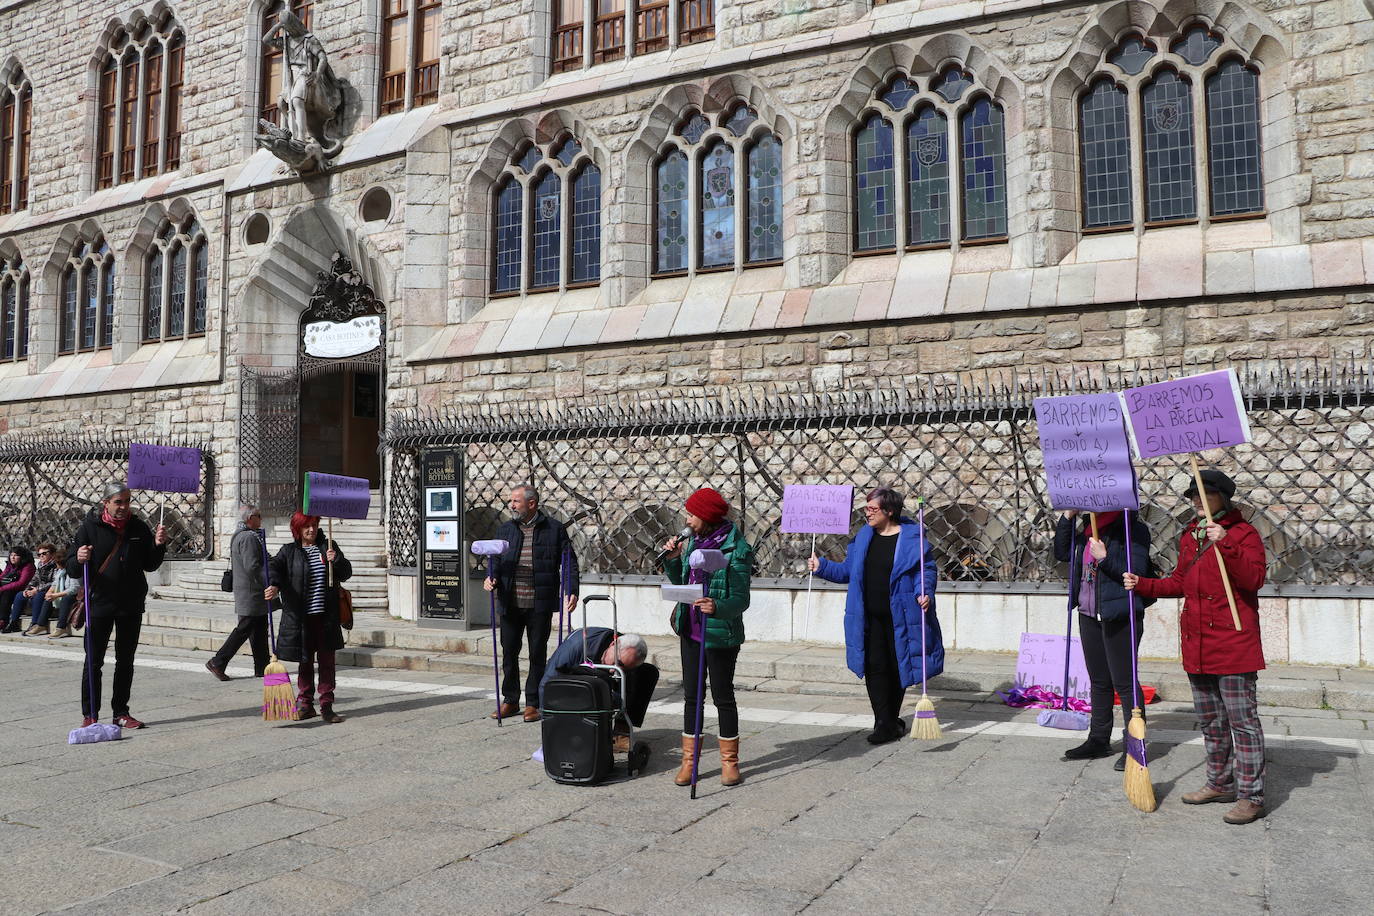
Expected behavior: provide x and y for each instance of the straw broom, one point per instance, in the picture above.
(278, 698)
(924, 725)
(1139, 790)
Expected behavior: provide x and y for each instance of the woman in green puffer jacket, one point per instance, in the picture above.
(721, 613)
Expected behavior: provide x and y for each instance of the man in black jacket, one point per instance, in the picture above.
(527, 587)
(117, 549)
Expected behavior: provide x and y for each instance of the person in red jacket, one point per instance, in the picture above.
(1222, 662)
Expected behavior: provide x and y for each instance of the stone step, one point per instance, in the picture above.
(361, 601)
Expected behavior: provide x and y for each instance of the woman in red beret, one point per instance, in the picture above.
(720, 614)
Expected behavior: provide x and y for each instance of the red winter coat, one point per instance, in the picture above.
(1209, 641)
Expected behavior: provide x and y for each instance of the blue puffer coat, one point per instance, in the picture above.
(906, 613)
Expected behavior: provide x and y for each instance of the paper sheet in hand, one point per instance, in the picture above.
(679, 593)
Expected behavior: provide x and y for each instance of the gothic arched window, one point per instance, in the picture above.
(270, 72)
(410, 53)
(14, 309)
(138, 133)
(1138, 120)
(86, 298)
(16, 123)
(718, 189)
(552, 197)
(175, 283)
(951, 179)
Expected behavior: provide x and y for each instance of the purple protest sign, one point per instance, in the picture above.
(1087, 458)
(335, 496)
(1041, 664)
(1187, 414)
(168, 468)
(816, 508)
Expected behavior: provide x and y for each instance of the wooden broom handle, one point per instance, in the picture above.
(1092, 519)
(1221, 563)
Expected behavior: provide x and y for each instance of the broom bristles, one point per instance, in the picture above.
(278, 698)
(1139, 790)
(925, 726)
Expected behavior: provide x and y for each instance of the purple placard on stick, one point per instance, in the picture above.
(1041, 664)
(816, 508)
(1187, 414)
(1087, 457)
(335, 496)
(168, 468)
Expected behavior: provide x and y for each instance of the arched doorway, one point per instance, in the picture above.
(327, 413)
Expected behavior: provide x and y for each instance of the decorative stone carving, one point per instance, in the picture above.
(311, 101)
(341, 293)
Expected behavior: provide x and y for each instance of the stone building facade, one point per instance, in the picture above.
(800, 258)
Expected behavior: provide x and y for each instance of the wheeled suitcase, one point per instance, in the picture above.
(578, 712)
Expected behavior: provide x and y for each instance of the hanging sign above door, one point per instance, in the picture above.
(341, 339)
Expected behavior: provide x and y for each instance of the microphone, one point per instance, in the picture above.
(663, 554)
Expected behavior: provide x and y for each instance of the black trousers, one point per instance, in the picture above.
(720, 673)
(882, 678)
(125, 630)
(515, 624)
(252, 630)
(1107, 654)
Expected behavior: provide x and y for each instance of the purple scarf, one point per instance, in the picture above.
(698, 577)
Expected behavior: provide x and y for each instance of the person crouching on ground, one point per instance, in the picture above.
(605, 647)
(887, 608)
(310, 632)
(117, 550)
(1222, 662)
(720, 615)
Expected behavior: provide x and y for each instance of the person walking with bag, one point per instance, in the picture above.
(117, 550)
(891, 600)
(248, 562)
(1096, 567)
(1222, 663)
(716, 619)
(310, 632)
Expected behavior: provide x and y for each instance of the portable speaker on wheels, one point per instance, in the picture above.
(577, 716)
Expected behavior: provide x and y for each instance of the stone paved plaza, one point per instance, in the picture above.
(419, 804)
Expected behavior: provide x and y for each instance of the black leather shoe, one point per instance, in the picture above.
(1089, 750)
(214, 668)
(884, 734)
(1120, 765)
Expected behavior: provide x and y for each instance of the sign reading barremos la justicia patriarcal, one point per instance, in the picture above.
(340, 339)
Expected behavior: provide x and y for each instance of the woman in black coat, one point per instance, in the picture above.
(310, 632)
(1095, 571)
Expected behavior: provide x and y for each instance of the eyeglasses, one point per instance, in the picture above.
(868, 509)
(42, 553)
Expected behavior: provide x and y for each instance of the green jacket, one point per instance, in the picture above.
(729, 586)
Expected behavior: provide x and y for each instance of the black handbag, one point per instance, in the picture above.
(226, 581)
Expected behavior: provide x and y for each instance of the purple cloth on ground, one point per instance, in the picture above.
(1039, 697)
(93, 733)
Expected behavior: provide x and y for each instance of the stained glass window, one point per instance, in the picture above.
(695, 128)
(765, 201)
(107, 300)
(14, 309)
(952, 84)
(1197, 45)
(507, 261)
(1105, 145)
(530, 158)
(1167, 113)
(875, 208)
(984, 171)
(1132, 54)
(66, 338)
(568, 151)
(671, 224)
(200, 262)
(718, 206)
(152, 296)
(900, 91)
(1233, 141)
(545, 236)
(927, 182)
(740, 119)
(9, 317)
(90, 304)
(586, 227)
(176, 299)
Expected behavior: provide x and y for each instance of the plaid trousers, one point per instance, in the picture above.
(1229, 716)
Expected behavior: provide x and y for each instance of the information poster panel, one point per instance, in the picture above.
(442, 559)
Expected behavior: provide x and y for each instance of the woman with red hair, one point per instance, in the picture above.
(310, 632)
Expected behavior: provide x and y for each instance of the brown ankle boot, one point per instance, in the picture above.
(729, 762)
(684, 772)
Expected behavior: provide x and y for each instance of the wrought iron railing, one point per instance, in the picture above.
(619, 469)
(49, 483)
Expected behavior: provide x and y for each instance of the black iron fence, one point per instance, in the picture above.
(48, 484)
(618, 470)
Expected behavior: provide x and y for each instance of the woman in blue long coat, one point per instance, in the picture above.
(887, 609)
